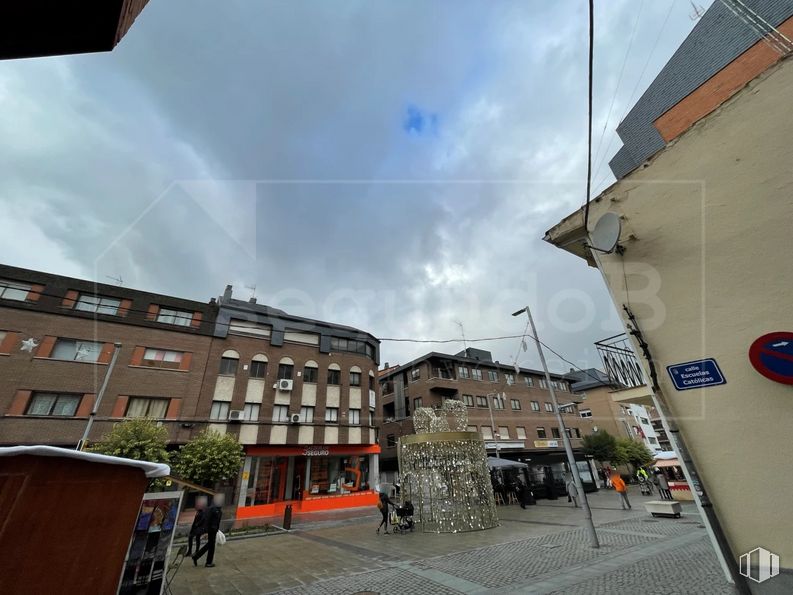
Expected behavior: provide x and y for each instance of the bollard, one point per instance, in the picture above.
(531, 499)
(288, 517)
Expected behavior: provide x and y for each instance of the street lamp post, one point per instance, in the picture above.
(83, 441)
(593, 538)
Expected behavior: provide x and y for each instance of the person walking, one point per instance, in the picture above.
(622, 490)
(213, 516)
(199, 526)
(382, 505)
(572, 490)
(663, 486)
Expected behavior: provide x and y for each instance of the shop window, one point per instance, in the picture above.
(355, 417)
(280, 413)
(541, 432)
(251, 412)
(97, 304)
(355, 379)
(53, 404)
(147, 407)
(332, 415)
(219, 411)
(334, 377)
(258, 369)
(78, 351)
(310, 375)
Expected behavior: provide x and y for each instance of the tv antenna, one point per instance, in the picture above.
(697, 13)
(119, 281)
(253, 290)
(605, 236)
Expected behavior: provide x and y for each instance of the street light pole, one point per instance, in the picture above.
(593, 538)
(84, 440)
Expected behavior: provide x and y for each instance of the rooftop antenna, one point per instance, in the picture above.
(462, 332)
(253, 290)
(697, 13)
(119, 281)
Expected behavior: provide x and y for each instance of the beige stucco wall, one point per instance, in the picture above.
(708, 233)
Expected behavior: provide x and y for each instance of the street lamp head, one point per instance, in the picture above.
(519, 312)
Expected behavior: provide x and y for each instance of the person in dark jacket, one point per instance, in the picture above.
(383, 506)
(199, 526)
(213, 516)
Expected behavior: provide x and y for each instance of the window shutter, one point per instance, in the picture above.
(152, 312)
(35, 293)
(86, 404)
(137, 356)
(196, 322)
(20, 403)
(46, 346)
(174, 408)
(107, 353)
(8, 343)
(70, 299)
(187, 359)
(124, 308)
(120, 408)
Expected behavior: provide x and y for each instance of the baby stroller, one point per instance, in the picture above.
(646, 487)
(403, 517)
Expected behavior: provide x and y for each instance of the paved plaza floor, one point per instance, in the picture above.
(543, 549)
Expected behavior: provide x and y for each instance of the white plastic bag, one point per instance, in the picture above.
(220, 538)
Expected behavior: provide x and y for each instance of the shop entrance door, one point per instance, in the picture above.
(279, 479)
(298, 478)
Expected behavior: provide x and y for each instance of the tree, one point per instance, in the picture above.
(140, 439)
(636, 453)
(600, 446)
(209, 458)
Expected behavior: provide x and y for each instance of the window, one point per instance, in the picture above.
(98, 304)
(415, 374)
(355, 379)
(463, 372)
(549, 407)
(510, 378)
(53, 404)
(476, 374)
(555, 432)
(390, 440)
(162, 358)
(515, 404)
(285, 371)
(521, 433)
(543, 384)
(280, 413)
(251, 412)
(535, 406)
(492, 376)
(468, 400)
(652, 440)
(306, 415)
(362, 347)
(177, 317)
(371, 381)
(562, 386)
(541, 432)
(529, 381)
(487, 432)
(334, 377)
(228, 365)
(78, 351)
(576, 432)
(555, 384)
(371, 418)
(220, 410)
(498, 403)
(10, 290)
(573, 432)
(585, 413)
(147, 407)
(417, 402)
(481, 401)
(258, 369)
(471, 429)
(310, 375)
(332, 415)
(503, 432)
(645, 421)
(355, 417)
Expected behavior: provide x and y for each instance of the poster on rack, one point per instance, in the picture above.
(149, 550)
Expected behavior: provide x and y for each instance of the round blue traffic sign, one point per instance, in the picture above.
(772, 356)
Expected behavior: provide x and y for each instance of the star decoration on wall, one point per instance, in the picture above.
(29, 345)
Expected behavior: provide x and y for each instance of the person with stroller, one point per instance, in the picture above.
(382, 505)
(663, 485)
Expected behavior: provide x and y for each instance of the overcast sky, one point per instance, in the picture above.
(387, 165)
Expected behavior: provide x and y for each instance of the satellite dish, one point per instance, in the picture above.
(606, 234)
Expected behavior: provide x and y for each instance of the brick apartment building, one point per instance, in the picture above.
(524, 425)
(299, 394)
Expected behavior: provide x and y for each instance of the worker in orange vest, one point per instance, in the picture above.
(622, 490)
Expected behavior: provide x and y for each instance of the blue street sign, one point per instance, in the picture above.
(697, 374)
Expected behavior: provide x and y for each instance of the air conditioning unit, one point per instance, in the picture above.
(295, 417)
(236, 415)
(284, 385)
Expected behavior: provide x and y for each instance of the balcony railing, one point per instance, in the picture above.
(620, 362)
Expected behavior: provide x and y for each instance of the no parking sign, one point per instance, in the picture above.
(772, 356)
